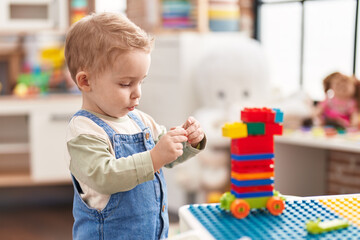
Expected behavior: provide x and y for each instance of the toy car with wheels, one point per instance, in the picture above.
(240, 208)
(252, 162)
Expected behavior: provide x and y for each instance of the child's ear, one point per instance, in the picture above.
(82, 80)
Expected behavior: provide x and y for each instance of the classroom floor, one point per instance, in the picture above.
(42, 213)
(36, 223)
(36, 213)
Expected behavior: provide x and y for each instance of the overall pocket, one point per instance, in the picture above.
(126, 145)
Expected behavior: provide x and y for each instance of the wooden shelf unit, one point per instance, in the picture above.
(138, 12)
(32, 139)
(148, 15)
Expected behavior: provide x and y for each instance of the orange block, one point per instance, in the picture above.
(251, 176)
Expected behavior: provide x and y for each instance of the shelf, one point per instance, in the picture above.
(346, 142)
(27, 157)
(14, 148)
(172, 16)
(19, 179)
(24, 179)
(169, 16)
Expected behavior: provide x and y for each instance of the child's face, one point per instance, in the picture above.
(117, 91)
(342, 89)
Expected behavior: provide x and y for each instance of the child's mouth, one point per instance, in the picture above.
(131, 108)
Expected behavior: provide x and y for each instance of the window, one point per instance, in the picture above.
(305, 40)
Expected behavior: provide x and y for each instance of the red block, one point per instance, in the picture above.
(257, 166)
(253, 145)
(264, 188)
(273, 129)
(265, 115)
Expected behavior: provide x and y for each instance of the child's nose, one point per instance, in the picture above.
(137, 92)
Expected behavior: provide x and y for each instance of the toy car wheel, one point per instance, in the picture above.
(240, 208)
(275, 205)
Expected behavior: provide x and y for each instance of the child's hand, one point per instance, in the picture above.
(169, 147)
(194, 132)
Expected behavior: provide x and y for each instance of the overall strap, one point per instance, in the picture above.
(110, 132)
(137, 120)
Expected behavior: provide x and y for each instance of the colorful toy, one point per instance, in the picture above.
(79, 9)
(289, 225)
(37, 79)
(252, 164)
(316, 227)
(53, 56)
(32, 83)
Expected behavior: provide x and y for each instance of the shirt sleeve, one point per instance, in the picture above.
(188, 152)
(93, 164)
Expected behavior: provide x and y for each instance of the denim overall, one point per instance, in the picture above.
(140, 213)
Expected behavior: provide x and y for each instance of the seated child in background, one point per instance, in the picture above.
(339, 109)
(115, 152)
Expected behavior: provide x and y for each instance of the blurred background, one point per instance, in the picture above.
(211, 59)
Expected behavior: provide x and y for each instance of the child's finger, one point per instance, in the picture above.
(196, 136)
(177, 131)
(192, 128)
(197, 139)
(179, 139)
(188, 122)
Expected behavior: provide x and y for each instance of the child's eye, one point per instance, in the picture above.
(124, 85)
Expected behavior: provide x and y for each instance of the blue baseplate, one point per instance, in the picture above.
(260, 224)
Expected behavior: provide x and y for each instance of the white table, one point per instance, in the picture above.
(299, 211)
(301, 161)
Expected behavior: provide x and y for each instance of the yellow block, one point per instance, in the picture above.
(251, 176)
(349, 208)
(214, 197)
(223, 14)
(234, 130)
(54, 55)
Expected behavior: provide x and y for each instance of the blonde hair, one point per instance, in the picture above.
(97, 39)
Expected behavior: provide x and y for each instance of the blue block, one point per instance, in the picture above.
(246, 157)
(79, 4)
(249, 183)
(279, 115)
(252, 194)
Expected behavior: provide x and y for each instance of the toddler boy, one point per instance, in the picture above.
(115, 152)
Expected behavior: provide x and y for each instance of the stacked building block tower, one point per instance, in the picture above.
(252, 162)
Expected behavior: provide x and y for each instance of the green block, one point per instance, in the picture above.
(317, 227)
(256, 203)
(226, 200)
(256, 128)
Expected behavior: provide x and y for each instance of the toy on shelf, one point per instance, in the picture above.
(252, 162)
(45, 75)
(224, 15)
(32, 82)
(339, 109)
(79, 9)
(177, 14)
